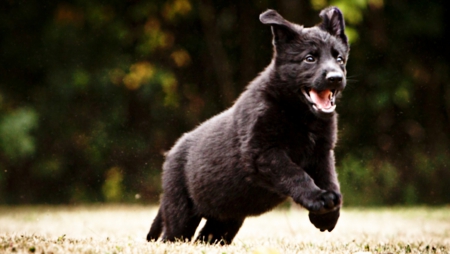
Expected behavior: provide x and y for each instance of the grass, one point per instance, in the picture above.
(122, 229)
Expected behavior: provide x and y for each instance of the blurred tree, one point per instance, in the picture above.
(92, 93)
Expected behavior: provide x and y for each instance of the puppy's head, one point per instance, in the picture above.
(310, 62)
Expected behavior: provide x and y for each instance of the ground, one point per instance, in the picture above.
(122, 229)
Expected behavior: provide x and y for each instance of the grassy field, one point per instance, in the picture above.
(122, 229)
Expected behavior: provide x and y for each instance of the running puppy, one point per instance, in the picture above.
(275, 142)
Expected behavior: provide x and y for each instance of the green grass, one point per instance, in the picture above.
(122, 229)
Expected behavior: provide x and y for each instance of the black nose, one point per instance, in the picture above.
(334, 78)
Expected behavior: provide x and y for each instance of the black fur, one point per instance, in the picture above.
(275, 142)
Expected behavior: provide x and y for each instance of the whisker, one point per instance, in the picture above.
(352, 80)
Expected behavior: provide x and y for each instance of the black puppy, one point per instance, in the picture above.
(275, 142)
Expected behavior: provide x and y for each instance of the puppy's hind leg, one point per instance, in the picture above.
(180, 220)
(220, 231)
(180, 217)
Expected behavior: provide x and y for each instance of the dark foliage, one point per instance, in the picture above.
(92, 93)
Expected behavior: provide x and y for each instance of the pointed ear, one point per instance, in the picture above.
(333, 22)
(282, 29)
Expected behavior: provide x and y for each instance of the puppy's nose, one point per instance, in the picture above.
(334, 77)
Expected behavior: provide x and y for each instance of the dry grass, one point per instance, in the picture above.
(122, 229)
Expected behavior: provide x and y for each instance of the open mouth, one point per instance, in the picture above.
(322, 101)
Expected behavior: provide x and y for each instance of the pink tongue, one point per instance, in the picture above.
(321, 99)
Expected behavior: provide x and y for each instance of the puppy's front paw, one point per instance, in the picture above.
(324, 221)
(324, 202)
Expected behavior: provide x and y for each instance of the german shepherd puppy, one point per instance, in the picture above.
(275, 142)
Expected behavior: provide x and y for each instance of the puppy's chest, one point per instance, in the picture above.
(301, 145)
(302, 139)
(304, 145)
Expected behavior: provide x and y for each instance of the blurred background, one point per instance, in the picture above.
(93, 92)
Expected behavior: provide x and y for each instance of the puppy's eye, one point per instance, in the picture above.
(310, 59)
(340, 60)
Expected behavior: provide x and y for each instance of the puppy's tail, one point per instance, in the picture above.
(156, 228)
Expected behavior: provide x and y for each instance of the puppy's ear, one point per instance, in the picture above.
(333, 22)
(282, 29)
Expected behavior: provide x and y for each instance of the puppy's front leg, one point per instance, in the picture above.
(279, 172)
(325, 177)
(324, 173)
